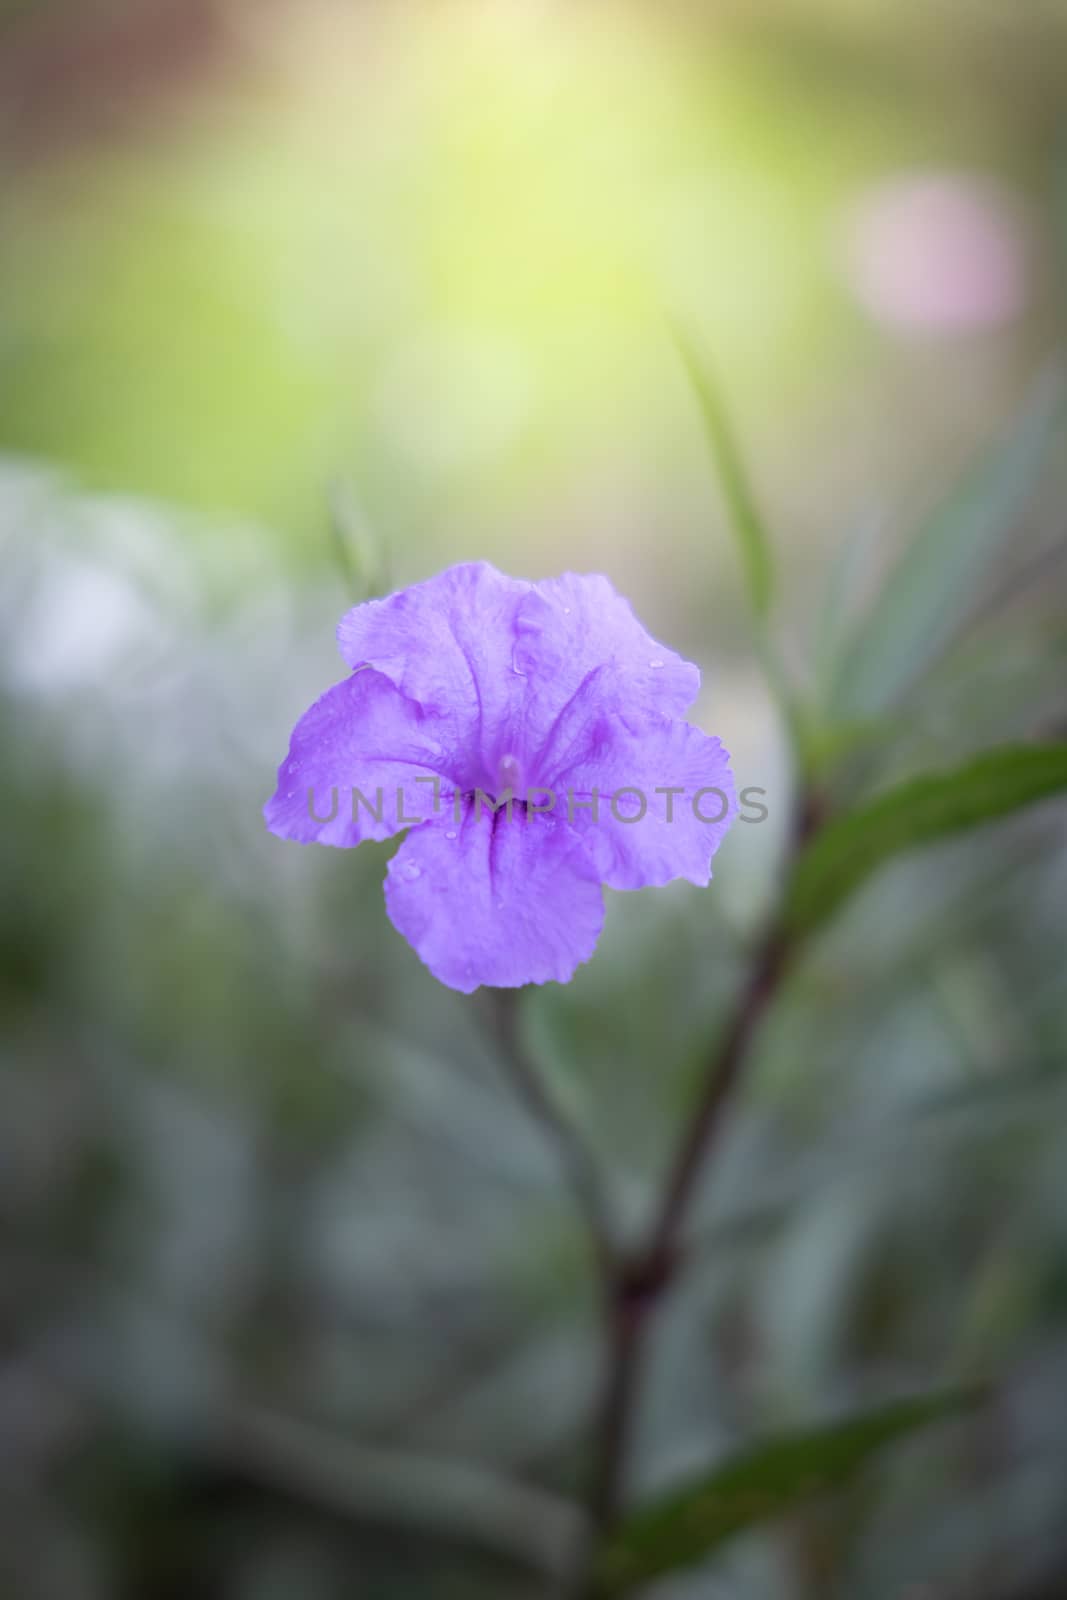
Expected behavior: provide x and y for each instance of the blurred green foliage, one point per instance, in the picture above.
(293, 1301)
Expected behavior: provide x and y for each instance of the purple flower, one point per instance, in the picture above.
(532, 736)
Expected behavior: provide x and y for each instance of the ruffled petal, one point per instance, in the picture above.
(603, 647)
(363, 763)
(509, 659)
(642, 834)
(488, 900)
(445, 643)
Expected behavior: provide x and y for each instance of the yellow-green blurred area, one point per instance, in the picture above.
(301, 300)
(248, 249)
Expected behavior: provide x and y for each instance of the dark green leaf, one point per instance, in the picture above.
(848, 851)
(763, 1482)
(929, 591)
(740, 501)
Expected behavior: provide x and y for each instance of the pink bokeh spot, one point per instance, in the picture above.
(940, 253)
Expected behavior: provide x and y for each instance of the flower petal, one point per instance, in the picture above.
(602, 636)
(510, 658)
(488, 900)
(642, 834)
(445, 643)
(367, 761)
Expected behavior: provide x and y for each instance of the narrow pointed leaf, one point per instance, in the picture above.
(933, 585)
(849, 573)
(745, 520)
(761, 1483)
(918, 812)
(357, 554)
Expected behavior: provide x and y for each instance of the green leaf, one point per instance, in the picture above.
(849, 573)
(413, 1494)
(935, 581)
(745, 519)
(762, 1482)
(358, 555)
(848, 851)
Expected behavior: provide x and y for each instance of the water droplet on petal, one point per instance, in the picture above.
(656, 661)
(411, 871)
(566, 611)
(450, 833)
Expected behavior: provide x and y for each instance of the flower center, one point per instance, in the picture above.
(509, 775)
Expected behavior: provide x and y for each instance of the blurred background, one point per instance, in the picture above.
(301, 300)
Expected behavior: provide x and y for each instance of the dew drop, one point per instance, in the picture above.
(656, 662)
(566, 611)
(450, 833)
(411, 871)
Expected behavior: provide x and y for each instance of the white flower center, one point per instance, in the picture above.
(508, 775)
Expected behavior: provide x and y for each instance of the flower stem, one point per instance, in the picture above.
(643, 1279)
(576, 1159)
